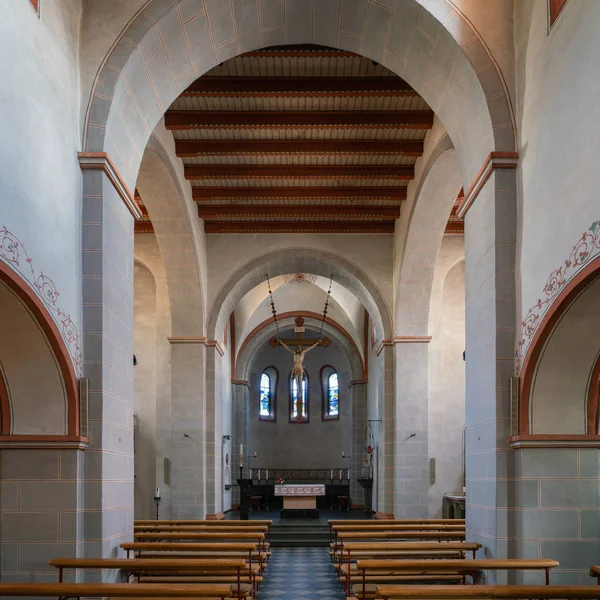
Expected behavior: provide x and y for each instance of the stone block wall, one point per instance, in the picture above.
(40, 513)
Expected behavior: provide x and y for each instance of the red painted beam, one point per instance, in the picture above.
(404, 173)
(223, 211)
(299, 227)
(191, 148)
(192, 119)
(212, 193)
(299, 86)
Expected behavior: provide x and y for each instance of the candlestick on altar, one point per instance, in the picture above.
(340, 475)
(259, 474)
(267, 475)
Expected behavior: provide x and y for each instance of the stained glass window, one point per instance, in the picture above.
(299, 406)
(265, 395)
(268, 394)
(330, 393)
(333, 389)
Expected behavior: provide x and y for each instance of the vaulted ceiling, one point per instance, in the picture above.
(299, 139)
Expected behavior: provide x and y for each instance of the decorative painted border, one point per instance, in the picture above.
(13, 251)
(584, 251)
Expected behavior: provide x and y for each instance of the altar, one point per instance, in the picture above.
(300, 499)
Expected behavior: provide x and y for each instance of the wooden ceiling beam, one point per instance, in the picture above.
(299, 227)
(218, 193)
(191, 148)
(299, 86)
(181, 120)
(213, 213)
(404, 173)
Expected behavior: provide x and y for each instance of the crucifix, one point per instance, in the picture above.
(302, 346)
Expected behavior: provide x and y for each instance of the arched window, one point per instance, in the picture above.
(330, 386)
(299, 402)
(267, 403)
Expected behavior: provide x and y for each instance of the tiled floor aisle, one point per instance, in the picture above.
(300, 573)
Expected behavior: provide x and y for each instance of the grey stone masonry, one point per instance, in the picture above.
(107, 288)
(490, 238)
(40, 513)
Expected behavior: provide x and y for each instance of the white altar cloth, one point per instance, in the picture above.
(316, 489)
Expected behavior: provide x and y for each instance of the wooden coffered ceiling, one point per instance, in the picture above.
(299, 139)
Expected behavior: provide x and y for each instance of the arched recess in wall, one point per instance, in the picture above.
(40, 400)
(263, 332)
(168, 45)
(165, 200)
(434, 200)
(561, 372)
(298, 260)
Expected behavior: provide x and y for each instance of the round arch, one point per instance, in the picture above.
(167, 45)
(565, 341)
(298, 260)
(41, 349)
(165, 200)
(263, 332)
(434, 200)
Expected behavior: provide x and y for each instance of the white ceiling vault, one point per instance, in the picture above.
(307, 295)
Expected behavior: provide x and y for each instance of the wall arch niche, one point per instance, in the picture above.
(562, 373)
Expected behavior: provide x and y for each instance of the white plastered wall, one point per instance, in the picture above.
(558, 115)
(40, 179)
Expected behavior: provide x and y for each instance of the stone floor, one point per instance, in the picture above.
(300, 574)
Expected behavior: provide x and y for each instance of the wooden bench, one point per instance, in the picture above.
(406, 550)
(380, 536)
(171, 570)
(459, 592)
(191, 549)
(455, 569)
(247, 536)
(332, 522)
(213, 523)
(114, 590)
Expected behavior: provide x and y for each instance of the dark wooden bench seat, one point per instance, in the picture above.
(461, 592)
(115, 590)
(225, 523)
(380, 571)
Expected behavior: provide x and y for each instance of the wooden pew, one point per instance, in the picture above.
(211, 522)
(373, 536)
(191, 549)
(114, 590)
(381, 571)
(460, 592)
(406, 550)
(157, 570)
(247, 536)
(332, 522)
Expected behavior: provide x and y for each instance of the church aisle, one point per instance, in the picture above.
(300, 574)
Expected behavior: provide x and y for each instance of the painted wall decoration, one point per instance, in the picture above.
(300, 278)
(584, 251)
(13, 252)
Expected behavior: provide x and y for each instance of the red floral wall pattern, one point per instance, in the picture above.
(13, 252)
(584, 252)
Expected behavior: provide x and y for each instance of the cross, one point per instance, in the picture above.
(299, 341)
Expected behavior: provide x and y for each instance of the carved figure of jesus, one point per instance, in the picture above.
(298, 370)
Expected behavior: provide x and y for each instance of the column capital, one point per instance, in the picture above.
(495, 160)
(100, 161)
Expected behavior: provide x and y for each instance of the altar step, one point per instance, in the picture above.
(306, 535)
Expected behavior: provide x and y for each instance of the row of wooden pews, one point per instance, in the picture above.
(187, 559)
(392, 559)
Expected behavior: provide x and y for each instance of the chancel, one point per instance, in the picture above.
(297, 296)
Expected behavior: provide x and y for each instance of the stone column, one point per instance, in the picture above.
(411, 431)
(359, 428)
(241, 398)
(188, 427)
(107, 271)
(490, 239)
(387, 434)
